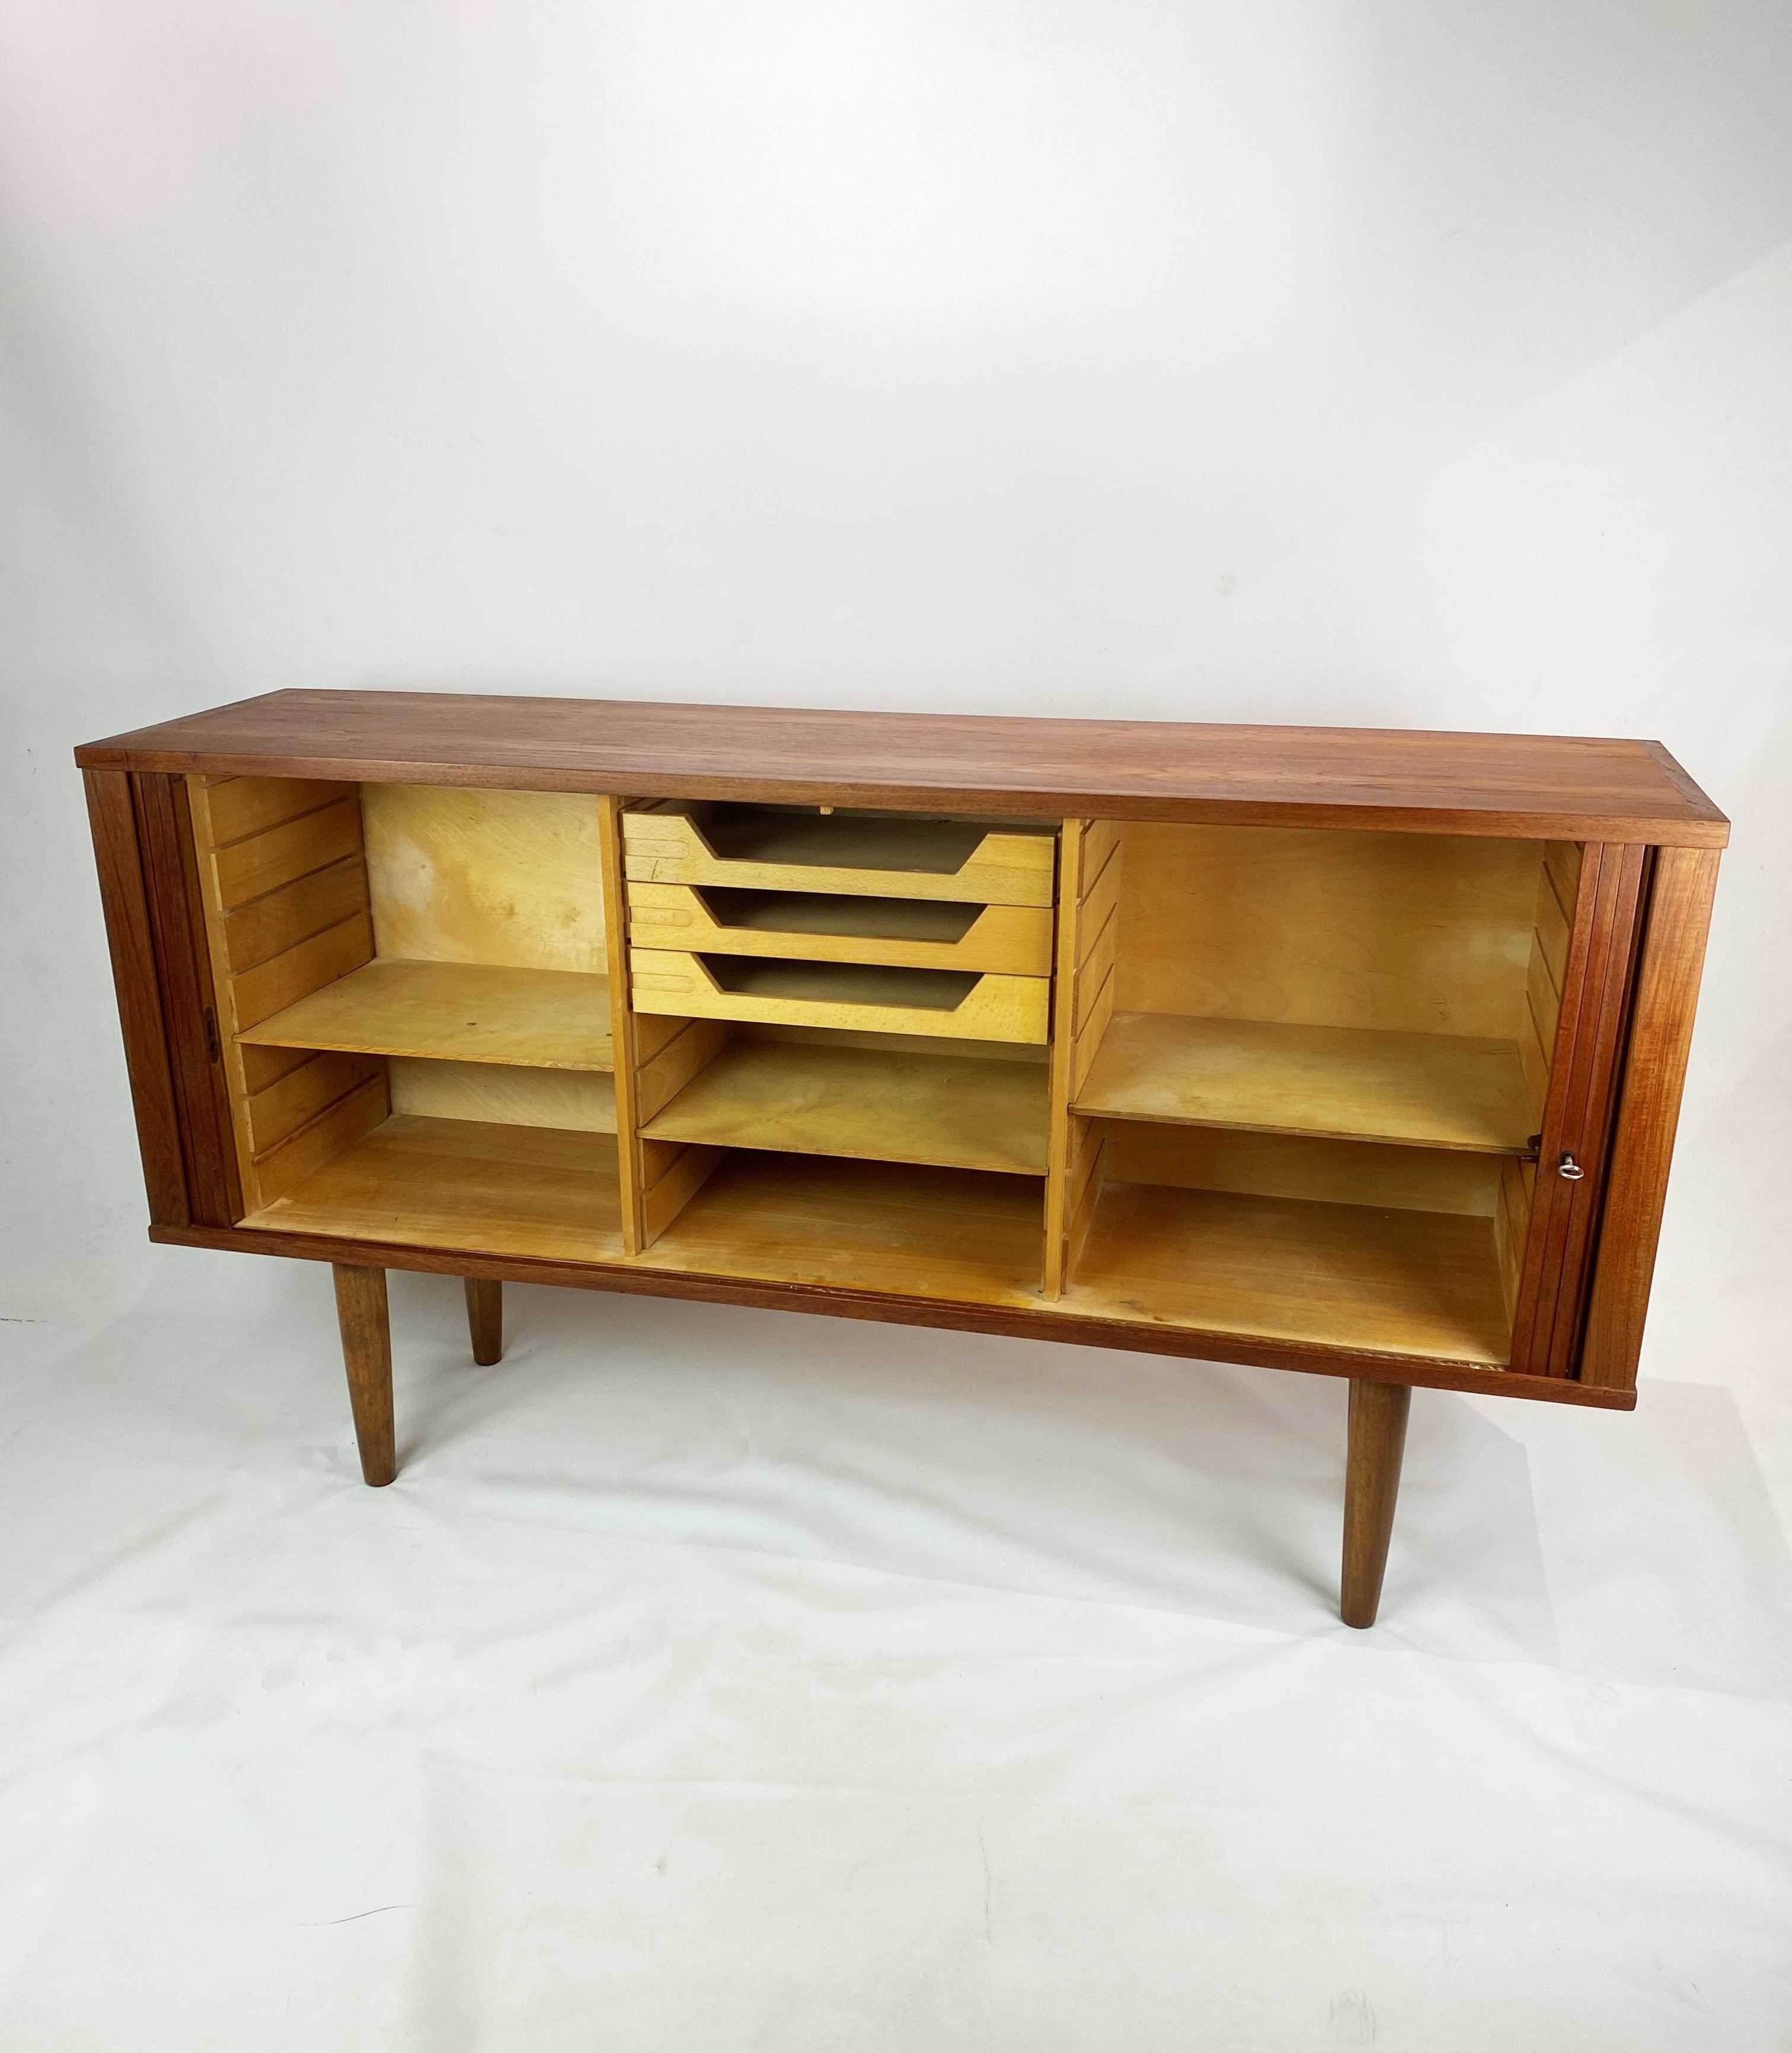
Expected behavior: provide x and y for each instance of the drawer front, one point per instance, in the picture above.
(1015, 940)
(872, 1000)
(677, 844)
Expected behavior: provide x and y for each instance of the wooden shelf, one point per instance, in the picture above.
(1347, 1083)
(465, 1183)
(528, 1019)
(955, 1112)
(861, 1226)
(1356, 1276)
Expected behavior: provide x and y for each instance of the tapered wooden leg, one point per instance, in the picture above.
(1371, 1485)
(485, 1319)
(367, 1354)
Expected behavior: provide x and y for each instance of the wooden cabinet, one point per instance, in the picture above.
(1330, 1050)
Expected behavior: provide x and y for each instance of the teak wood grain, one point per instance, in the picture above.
(1526, 785)
(1678, 921)
(1040, 1321)
(1378, 1444)
(1261, 1033)
(367, 1355)
(485, 1319)
(189, 1012)
(1577, 1117)
(118, 857)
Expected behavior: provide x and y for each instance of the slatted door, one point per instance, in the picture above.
(1573, 1151)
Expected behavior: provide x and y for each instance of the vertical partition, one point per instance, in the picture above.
(655, 1055)
(1082, 1002)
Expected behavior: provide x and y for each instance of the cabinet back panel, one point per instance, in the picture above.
(511, 878)
(1422, 933)
(499, 1094)
(1276, 1165)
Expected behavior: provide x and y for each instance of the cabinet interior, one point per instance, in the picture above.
(1255, 1081)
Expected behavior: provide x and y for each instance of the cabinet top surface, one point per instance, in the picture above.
(1403, 780)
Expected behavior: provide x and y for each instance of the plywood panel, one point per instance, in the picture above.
(950, 1234)
(264, 862)
(244, 805)
(509, 878)
(853, 1101)
(281, 920)
(1100, 905)
(572, 1101)
(1436, 1090)
(296, 1098)
(665, 1074)
(1518, 1183)
(257, 994)
(1060, 1128)
(1396, 1282)
(333, 1132)
(461, 1184)
(1326, 1171)
(1415, 933)
(541, 1019)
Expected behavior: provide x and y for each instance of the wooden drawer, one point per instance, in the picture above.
(909, 933)
(960, 1005)
(870, 855)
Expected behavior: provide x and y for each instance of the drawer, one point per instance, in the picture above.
(958, 1004)
(818, 926)
(867, 855)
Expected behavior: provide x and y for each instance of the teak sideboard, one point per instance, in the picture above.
(1309, 1048)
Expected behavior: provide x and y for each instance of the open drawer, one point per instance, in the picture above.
(870, 855)
(819, 926)
(960, 1004)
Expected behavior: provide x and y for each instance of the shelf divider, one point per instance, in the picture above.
(468, 1012)
(1342, 1083)
(871, 1104)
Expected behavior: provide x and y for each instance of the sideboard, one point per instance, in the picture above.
(1354, 1053)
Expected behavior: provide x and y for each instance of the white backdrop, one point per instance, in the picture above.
(714, 1679)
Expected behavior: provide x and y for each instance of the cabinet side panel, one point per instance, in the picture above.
(124, 902)
(170, 880)
(1648, 1113)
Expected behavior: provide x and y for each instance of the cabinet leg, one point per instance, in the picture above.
(1371, 1485)
(367, 1354)
(485, 1319)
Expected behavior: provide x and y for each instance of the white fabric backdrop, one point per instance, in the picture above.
(717, 1679)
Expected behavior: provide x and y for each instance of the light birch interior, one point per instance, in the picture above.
(1261, 1081)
